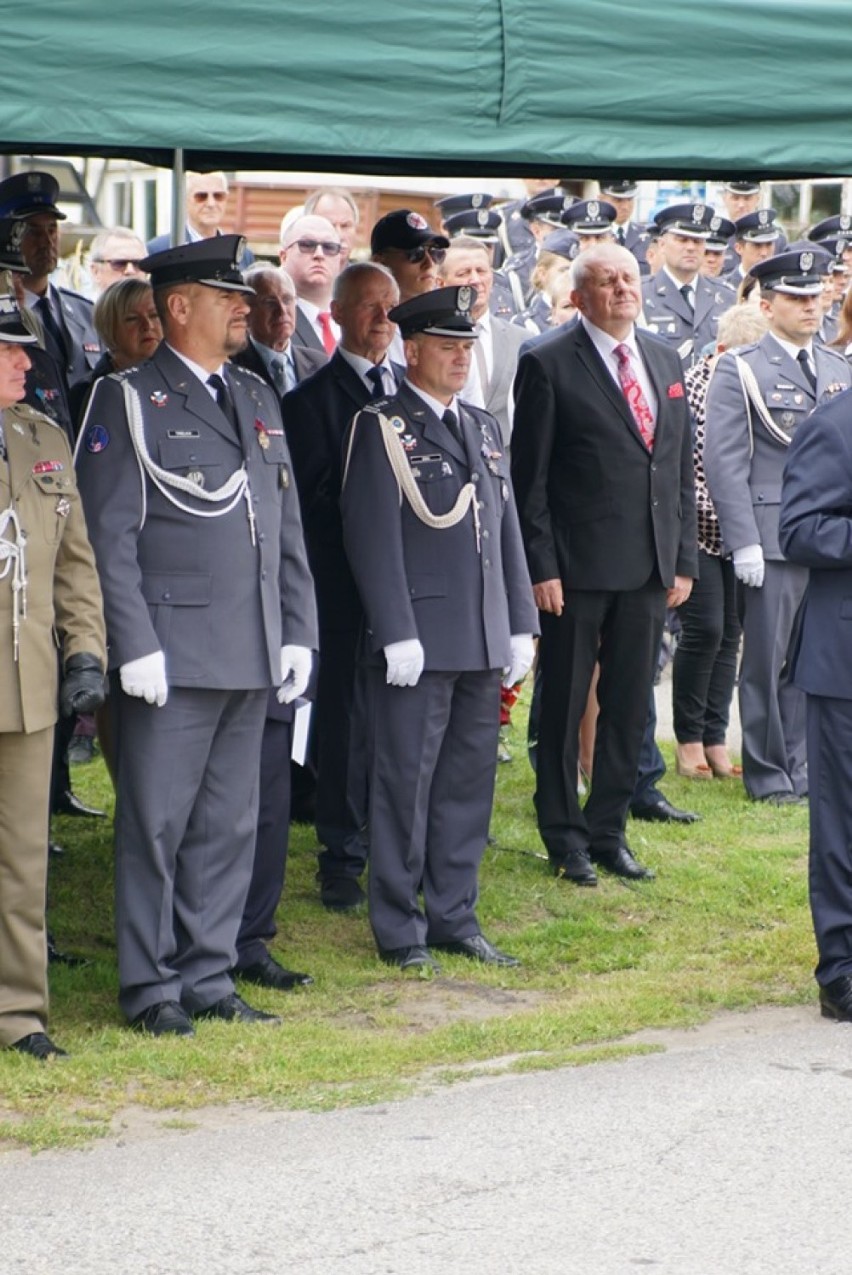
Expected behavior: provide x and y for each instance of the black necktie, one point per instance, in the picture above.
(223, 398)
(375, 375)
(54, 340)
(804, 361)
(619, 235)
(686, 293)
(452, 423)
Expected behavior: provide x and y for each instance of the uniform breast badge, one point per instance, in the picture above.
(397, 424)
(196, 476)
(262, 434)
(159, 398)
(63, 507)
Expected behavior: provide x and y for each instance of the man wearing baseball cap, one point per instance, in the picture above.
(406, 244)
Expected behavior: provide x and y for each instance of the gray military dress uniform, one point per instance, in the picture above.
(744, 458)
(689, 328)
(219, 586)
(462, 591)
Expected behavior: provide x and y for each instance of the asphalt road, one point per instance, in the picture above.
(727, 1154)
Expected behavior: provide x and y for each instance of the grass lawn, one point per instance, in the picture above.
(725, 926)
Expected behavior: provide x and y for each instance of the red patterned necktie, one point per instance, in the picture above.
(636, 400)
(328, 339)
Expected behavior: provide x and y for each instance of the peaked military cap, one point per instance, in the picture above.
(404, 229)
(837, 246)
(548, 205)
(11, 233)
(625, 189)
(12, 330)
(29, 193)
(209, 261)
(799, 271)
(442, 312)
(563, 242)
(830, 227)
(589, 217)
(758, 227)
(479, 223)
(721, 230)
(462, 203)
(743, 187)
(692, 220)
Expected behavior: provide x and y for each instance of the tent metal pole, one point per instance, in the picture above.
(178, 200)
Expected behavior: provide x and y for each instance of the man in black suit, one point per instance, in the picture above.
(271, 352)
(316, 416)
(602, 467)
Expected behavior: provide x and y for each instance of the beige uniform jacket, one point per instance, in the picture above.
(63, 597)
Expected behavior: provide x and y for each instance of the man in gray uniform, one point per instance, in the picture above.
(193, 515)
(679, 304)
(757, 400)
(431, 531)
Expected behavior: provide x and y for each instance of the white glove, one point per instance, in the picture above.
(522, 653)
(145, 678)
(405, 662)
(296, 664)
(748, 565)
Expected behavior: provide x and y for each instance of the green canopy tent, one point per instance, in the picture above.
(645, 87)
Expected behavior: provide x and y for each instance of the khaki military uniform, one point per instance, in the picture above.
(63, 604)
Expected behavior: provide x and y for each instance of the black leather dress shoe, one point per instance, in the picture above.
(68, 803)
(233, 1009)
(478, 948)
(835, 999)
(39, 1046)
(662, 811)
(166, 1018)
(341, 894)
(576, 866)
(410, 958)
(55, 957)
(266, 972)
(783, 798)
(622, 864)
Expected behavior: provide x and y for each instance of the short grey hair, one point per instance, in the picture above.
(333, 192)
(102, 238)
(351, 275)
(583, 266)
(265, 270)
(741, 325)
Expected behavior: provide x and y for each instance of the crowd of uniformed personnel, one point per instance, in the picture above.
(369, 486)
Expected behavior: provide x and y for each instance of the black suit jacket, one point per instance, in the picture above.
(317, 414)
(305, 333)
(597, 509)
(305, 361)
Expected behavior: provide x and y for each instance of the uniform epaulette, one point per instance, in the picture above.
(742, 349)
(239, 370)
(120, 376)
(835, 354)
(32, 414)
(378, 405)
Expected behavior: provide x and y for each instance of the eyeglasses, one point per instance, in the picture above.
(120, 263)
(309, 246)
(201, 196)
(416, 255)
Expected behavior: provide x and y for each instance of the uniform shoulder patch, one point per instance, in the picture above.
(96, 439)
(237, 370)
(378, 405)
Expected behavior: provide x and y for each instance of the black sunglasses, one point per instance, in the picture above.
(416, 255)
(309, 246)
